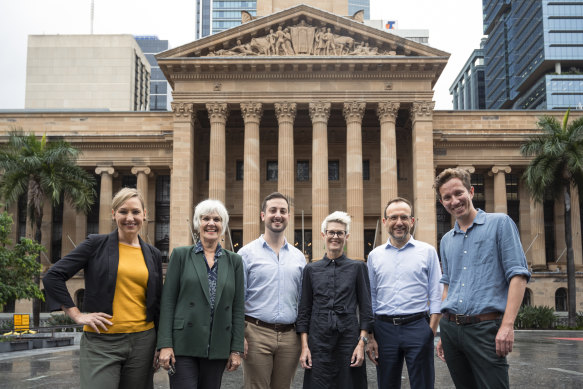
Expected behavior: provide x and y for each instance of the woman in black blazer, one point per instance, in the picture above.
(123, 283)
(202, 311)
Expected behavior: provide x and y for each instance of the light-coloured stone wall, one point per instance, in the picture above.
(267, 7)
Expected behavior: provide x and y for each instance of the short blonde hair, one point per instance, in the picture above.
(338, 217)
(123, 195)
(207, 207)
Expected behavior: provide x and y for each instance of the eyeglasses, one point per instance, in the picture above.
(332, 234)
(404, 218)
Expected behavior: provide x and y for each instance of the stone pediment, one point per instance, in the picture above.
(301, 31)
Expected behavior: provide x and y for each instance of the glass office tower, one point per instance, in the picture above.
(159, 87)
(533, 54)
(213, 16)
(357, 5)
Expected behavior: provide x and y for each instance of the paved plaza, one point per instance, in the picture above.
(541, 359)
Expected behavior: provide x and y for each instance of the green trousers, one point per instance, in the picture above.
(117, 360)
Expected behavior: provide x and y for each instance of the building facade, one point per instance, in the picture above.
(533, 54)
(86, 72)
(469, 88)
(214, 16)
(159, 88)
(337, 116)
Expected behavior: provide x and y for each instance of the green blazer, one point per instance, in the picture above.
(185, 312)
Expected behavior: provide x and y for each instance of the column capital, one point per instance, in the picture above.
(105, 169)
(319, 111)
(182, 110)
(387, 110)
(422, 110)
(251, 111)
(354, 111)
(471, 169)
(141, 169)
(501, 169)
(218, 112)
(285, 111)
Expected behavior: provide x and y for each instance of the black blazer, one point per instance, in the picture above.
(98, 256)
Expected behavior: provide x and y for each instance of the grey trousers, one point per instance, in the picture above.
(117, 360)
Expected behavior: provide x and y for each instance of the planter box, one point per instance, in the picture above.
(53, 342)
(16, 345)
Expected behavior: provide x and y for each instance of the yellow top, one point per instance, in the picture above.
(129, 301)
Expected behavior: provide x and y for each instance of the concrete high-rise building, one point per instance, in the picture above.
(159, 88)
(86, 72)
(469, 89)
(533, 54)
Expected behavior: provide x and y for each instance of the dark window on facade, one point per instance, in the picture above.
(527, 299)
(162, 229)
(22, 216)
(333, 170)
(237, 239)
(303, 171)
(369, 241)
(512, 199)
(549, 216)
(93, 215)
(479, 199)
(306, 245)
(271, 171)
(80, 298)
(443, 223)
(561, 303)
(207, 170)
(129, 181)
(365, 170)
(240, 170)
(57, 232)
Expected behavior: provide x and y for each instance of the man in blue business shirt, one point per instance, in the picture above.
(406, 298)
(273, 277)
(484, 277)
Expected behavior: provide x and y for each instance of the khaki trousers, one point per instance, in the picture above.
(272, 357)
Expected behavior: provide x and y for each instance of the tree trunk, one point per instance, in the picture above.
(38, 237)
(571, 288)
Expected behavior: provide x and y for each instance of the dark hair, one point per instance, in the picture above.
(398, 200)
(462, 174)
(274, 195)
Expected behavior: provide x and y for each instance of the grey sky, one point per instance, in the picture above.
(455, 26)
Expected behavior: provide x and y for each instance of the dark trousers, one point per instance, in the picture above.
(470, 353)
(197, 373)
(411, 342)
(117, 360)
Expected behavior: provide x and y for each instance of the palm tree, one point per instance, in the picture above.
(557, 165)
(43, 170)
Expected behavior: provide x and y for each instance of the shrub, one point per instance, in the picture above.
(542, 317)
(60, 319)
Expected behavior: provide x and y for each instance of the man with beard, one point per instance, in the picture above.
(404, 278)
(485, 275)
(273, 276)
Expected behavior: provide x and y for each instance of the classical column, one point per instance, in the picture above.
(286, 113)
(251, 113)
(423, 171)
(576, 227)
(105, 196)
(142, 173)
(537, 252)
(68, 229)
(471, 169)
(387, 113)
(500, 201)
(182, 173)
(218, 113)
(319, 113)
(353, 113)
(80, 228)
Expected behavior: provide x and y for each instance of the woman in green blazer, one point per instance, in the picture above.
(202, 309)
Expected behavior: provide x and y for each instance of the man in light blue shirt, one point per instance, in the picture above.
(273, 277)
(484, 276)
(406, 298)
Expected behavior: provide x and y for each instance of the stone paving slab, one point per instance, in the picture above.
(541, 359)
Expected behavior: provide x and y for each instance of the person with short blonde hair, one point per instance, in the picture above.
(123, 283)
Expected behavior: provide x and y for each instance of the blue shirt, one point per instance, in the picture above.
(211, 271)
(272, 284)
(404, 281)
(479, 263)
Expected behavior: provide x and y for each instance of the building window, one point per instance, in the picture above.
(271, 170)
(443, 223)
(239, 170)
(57, 232)
(237, 239)
(512, 200)
(303, 171)
(129, 181)
(369, 241)
(527, 299)
(479, 199)
(549, 216)
(365, 170)
(22, 200)
(207, 169)
(162, 228)
(333, 170)
(304, 245)
(561, 303)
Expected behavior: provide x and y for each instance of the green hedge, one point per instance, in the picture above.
(542, 317)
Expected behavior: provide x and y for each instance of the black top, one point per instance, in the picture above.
(332, 289)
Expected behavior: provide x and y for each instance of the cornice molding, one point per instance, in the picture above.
(262, 75)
